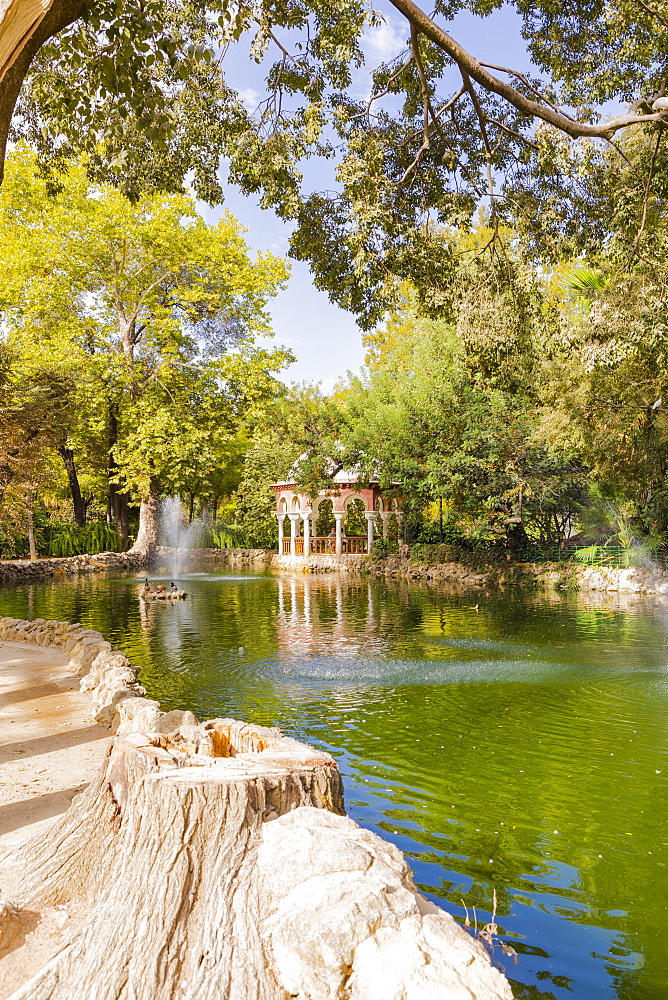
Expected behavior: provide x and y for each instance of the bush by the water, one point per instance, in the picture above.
(61, 540)
(219, 535)
(472, 553)
(71, 540)
(382, 548)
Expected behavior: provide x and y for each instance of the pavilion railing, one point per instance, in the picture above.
(323, 545)
(354, 546)
(326, 545)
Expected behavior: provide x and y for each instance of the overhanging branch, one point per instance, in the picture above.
(469, 64)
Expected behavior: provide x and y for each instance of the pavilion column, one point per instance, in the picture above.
(294, 520)
(280, 518)
(307, 534)
(338, 517)
(370, 518)
(386, 522)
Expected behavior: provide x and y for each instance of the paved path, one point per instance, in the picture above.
(49, 746)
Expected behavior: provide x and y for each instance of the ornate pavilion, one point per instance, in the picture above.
(345, 495)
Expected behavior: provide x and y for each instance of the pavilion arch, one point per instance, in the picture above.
(353, 496)
(282, 506)
(317, 501)
(355, 516)
(323, 511)
(294, 504)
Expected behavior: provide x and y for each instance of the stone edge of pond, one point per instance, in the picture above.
(550, 576)
(23, 571)
(384, 928)
(106, 674)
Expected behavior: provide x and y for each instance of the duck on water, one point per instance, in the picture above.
(161, 593)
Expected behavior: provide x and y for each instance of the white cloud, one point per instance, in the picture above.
(249, 97)
(386, 41)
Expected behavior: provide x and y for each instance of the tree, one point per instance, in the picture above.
(605, 372)
(34, 401)
(299, 437)
(158, 312)
(268, 460)
(141, 89)
(449, 411)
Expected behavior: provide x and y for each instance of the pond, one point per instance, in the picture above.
(502, 741)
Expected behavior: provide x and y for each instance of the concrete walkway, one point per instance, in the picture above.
(49, 746)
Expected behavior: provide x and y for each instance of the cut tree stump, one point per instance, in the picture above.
(214, 862)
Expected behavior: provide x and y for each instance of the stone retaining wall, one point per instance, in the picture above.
(550, 576)
(22, 571)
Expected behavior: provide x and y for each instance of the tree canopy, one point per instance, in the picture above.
(144, 91)
(140, 320)
(533, 408)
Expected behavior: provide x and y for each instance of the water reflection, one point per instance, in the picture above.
(323, 617)
(507, 742)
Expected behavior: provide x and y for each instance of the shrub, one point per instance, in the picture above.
(220, 535)
(469, 552)
(382, 548)
(69, 540)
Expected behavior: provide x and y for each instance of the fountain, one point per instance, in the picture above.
(176, 534)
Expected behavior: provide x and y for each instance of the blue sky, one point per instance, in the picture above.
(324, 338)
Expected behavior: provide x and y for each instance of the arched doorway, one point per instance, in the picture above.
(355, 520)
(325, 524)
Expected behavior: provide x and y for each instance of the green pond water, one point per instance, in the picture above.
(502, 741)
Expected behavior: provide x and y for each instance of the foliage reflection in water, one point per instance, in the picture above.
(502, 742)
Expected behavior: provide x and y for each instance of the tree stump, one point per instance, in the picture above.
(213, 862)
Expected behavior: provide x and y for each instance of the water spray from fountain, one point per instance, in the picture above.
(176, 534)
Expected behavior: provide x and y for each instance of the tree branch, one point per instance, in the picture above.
(653, 13)
(483, 131)
(426, 103)
(522, 77)
(12, 74)
(532, 109)
(384, 93)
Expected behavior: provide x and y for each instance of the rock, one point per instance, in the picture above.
(111, 679)
(172, 721)
(135, 714)
(342, 913)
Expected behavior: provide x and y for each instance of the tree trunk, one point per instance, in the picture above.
(67, 456)
(24, 27)
(157, 855)
(118, 501)
(518, 540)
(207, 864)
(31, 529)
(120, 514)
(149, 514)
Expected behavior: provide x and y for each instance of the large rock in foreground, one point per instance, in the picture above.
(211, 862)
